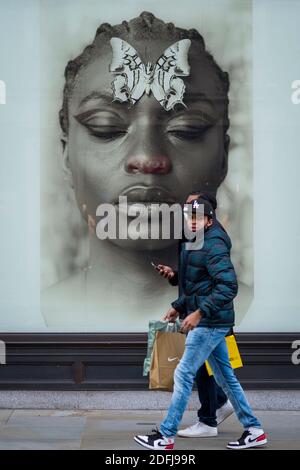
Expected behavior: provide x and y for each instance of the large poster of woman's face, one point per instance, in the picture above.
(151, 106)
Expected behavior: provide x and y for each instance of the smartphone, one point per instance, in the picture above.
(155, 266)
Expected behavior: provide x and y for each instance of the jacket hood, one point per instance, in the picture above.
(218, 231)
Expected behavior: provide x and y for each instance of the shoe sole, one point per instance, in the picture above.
(143, 444)
(248, 446)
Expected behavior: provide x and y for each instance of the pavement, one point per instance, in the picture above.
(114, 429)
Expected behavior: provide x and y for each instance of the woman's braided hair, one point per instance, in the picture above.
(145, 26)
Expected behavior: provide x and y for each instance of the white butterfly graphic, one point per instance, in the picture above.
(133, 78)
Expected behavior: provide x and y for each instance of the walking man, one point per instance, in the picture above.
(209, 287)
(215, 406)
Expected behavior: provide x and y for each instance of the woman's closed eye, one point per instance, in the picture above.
(103, 125)
(191, 127)
(106, 132)
(188, 132)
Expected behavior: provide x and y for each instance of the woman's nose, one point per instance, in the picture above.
(147, 152)
(146, 164)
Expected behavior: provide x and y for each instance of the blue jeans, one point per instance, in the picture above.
(202, 344)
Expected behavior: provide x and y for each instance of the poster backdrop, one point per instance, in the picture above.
(66, 148)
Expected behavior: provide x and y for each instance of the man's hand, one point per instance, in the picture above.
(165, 271)
(171, 315)
(191, 321)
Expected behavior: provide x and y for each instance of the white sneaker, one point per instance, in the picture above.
(155, 441)
(253, 437)
(224, 412)
(198, 430)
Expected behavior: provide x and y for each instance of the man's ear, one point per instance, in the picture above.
(65, 163)
(224, 168)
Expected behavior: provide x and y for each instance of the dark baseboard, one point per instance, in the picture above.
(89, 361)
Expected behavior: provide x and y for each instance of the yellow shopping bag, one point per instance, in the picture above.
(234, 355)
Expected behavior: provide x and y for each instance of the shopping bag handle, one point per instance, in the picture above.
(172, 327)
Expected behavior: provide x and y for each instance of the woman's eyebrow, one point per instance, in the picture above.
(96, 95)
(211, 100)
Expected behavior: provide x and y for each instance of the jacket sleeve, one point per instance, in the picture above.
(174, 280)
(225, 286)
(180, 305)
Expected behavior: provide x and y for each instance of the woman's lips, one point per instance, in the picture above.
(148, 194)
(144, 200)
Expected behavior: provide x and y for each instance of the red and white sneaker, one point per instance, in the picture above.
(253, 437)
(155, 441)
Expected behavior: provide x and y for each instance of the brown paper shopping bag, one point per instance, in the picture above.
(167, 352)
